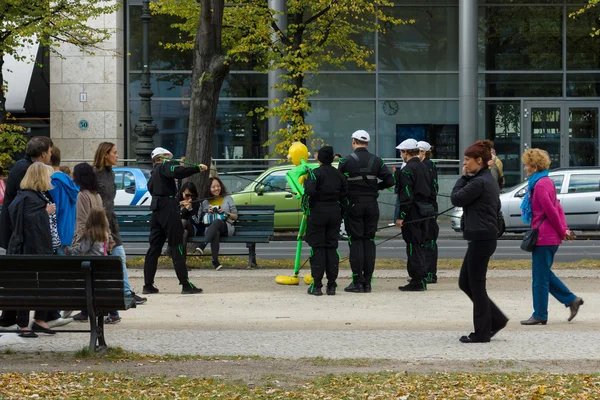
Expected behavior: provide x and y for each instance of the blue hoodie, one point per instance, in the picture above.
(64, 195)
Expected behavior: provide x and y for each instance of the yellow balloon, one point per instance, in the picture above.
(298, 152)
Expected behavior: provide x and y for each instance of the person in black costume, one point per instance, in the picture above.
(477, 192)
(433, 229)
(165, 223)
(325, 190)
(367, 174)
(413, 192)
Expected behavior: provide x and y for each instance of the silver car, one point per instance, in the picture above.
(577, 189)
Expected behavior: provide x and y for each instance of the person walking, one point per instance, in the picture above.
(413, 193)
(105, 158)
(165, 223)
(64, 193)
(219, 212)
(477, 193)
(433, 229)
(367, 174)
(325, 189)
(541, 209)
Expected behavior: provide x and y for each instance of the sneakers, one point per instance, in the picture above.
(355, 288)
(200, 249)
(315, 291)
(59, 322)
(80, 317)
(331, 289)
(139, 300)
(414, 286)
(150, 290)
(574, 306)
(216, 265)
(112, 319)
(189, 288)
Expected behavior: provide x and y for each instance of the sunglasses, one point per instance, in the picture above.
(187, 195)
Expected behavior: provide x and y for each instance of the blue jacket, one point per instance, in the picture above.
(64, 195)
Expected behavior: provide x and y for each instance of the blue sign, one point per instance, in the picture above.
(83, 125)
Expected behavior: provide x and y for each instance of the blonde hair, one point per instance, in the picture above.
(537, 158)
(101, 152)
(37, 177)
(96, 226)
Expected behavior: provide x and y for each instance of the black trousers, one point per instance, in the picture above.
(165, 225)
(212, 235)
(414, 234)
(431, 248)
(487, 317)
(361, 226)
(21, 318)
(322, 233)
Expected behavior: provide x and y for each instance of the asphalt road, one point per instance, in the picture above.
(507, 249)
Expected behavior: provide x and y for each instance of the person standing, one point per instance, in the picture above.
(478, 194)
(366, 174)
(165, 223)
(325, 189)
(414, 193)
(541, 209)
(105, 158)
(433, 229)
(498, 162)
(38, 149)
(64, 193)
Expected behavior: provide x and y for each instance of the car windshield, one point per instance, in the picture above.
(147, 173)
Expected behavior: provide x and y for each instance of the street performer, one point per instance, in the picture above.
(165, 223)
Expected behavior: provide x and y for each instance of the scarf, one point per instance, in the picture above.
(526, 213)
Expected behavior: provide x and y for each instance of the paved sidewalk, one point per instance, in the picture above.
(246, 313)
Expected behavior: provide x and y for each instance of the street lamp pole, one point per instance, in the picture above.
(145, 130)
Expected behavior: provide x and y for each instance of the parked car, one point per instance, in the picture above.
(577, 189)
(132, 186)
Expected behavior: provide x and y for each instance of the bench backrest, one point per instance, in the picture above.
(59, 282)
(253, 220)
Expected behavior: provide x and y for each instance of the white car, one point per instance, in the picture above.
(577, 189)
(132, 186)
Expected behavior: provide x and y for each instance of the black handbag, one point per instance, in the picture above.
(531, 236)
(425, 209)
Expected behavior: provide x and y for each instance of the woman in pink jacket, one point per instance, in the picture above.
(542, 209)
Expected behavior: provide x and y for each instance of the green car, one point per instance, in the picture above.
(272, 188)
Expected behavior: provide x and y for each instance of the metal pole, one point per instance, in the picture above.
(467, 74)
(274, 76)
(145, 130)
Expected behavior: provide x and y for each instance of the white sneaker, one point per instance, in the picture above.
(59, 322)
(9, 328)
(67, 314)
(199, 250)
(392, 224)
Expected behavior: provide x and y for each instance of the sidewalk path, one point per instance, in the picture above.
(245, 313)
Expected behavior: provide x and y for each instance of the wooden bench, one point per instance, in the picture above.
(91, 283)
(255, 224)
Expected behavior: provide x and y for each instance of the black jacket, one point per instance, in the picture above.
(162, 182)
(479, 197)
(31, 233)
(435, 186)
(414, 187)
(366, 176)
(326, 185)
(13, 184)
(107, 189)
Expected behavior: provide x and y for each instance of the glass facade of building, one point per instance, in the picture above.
(539, 85)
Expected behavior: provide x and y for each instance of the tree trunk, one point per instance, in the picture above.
(209, 71)
(2, 94)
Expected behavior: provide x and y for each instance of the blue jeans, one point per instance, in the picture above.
(120, 251)
(544, 282)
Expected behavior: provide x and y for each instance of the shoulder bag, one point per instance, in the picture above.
(531, 236)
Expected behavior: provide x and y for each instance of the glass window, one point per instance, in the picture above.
(342, 85)
(520, 38)
(558, 182)
(437, 121)
(430, 44)
(119, 180)
(418, 85)
(520, 85)
(583, 137)
(128, 179)
(334, 122)
(160, 32)
(581, 183)
(583, 50)
(236, 134)
(275, 182)
(583, 85)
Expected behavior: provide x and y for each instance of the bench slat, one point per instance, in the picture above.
(58, 283)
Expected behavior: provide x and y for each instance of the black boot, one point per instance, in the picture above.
(315, 291)
(367, 288)
(331, 288)
(414, 286)
(189, 288)
(355, 288)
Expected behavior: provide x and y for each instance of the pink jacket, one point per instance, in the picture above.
(546, 205)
